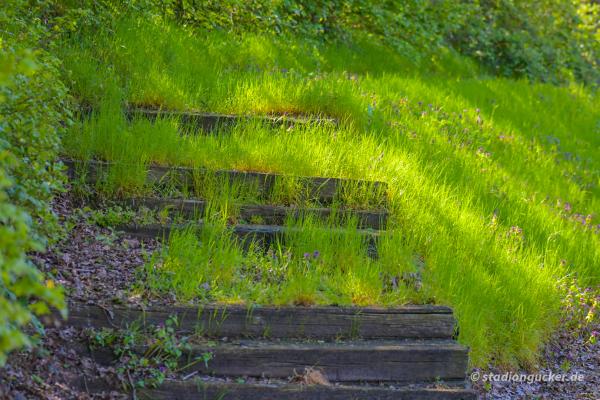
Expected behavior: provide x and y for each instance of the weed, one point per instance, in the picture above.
(160, 358)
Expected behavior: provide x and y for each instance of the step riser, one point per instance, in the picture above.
(324, 190)
(348, 364)
(210, 122)
(326, 323)
(262, 236)
(338, 366)
(191, 390)
(267, 215)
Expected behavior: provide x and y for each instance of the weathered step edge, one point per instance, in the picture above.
(235, 321)
(323, 189)
(210, 122)
(196, 389)
(403, 362)
(261, 235)
(268, 214)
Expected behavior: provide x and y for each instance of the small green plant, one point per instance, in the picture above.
(206, 357)
(112, 216)
(150, 367)
(487, 386)
(565, 366)
(582, 308)
(109, 216)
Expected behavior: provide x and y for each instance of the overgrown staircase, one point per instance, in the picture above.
(258, 353)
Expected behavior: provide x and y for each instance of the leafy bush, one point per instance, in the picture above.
(544, 40)
(32, 114)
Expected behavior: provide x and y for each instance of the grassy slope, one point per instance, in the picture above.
(487, 175)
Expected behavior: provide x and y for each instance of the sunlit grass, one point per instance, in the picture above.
(493, 184)
(316, 263)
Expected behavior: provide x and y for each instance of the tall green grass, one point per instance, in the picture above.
(492, 183)
(316, 263)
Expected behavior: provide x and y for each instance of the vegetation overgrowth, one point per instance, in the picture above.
(492, 181)
(33, 112)
(211, 265)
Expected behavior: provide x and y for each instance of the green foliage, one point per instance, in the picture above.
(32, 109)
(107, 216)
(547, 40)
(23, 292)
(316, 263)
(478, 170)
(149, 368)
(539, 39)
(582, 312)
(492, 182)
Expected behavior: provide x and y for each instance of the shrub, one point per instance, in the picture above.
(33, 111)
(551, 41)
